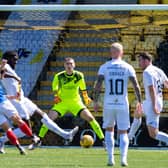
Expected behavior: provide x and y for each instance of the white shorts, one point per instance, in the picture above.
(25, 107)
(30, 106)
(152, 119)
(119, 116)
(7, 110)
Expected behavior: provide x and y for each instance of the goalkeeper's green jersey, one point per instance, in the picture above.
(67, 86)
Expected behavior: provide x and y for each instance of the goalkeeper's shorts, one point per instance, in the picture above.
(73, 107)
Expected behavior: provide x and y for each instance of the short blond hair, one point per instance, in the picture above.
(68, 59)
(117, 46)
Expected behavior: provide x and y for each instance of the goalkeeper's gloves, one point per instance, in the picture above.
(57, 99)
(86, 98)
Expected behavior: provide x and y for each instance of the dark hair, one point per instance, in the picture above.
(145, 55)
(9, 54)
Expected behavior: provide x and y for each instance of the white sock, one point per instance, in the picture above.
(161, 136)
(4, 139)
(134, 127)
(16, 131)
(124, 143)
(109, 140)
(54, 127)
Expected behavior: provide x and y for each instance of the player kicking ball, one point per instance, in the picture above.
(154, 79)
(116, 73)
(66, 86)
(26, 108)
(8, 112)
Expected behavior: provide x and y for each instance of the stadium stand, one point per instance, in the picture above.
(89, 39)
(31, 35)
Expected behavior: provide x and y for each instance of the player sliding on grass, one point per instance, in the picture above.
(66, 86)
(116, 73)
(26, 108)
(154, 79)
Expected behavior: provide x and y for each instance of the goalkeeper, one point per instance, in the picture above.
(66, 86)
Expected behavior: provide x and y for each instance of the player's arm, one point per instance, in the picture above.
(97, 88)
(83, 89)
(134, 81)
(136, 87)
(97, 91)
(7, 75)
(166, 84)
(4, 73)
(164, 78)
(153, 98)
(55, 86)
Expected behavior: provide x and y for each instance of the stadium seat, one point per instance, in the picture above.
(164, 1)
(148, 1)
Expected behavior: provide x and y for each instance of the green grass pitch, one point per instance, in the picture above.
(81, 158)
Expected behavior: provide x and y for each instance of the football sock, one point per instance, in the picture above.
(28, 122)
(25, 129)
(161, 136)
(17, 132)
(43, 131)
(134, 127)
(51, 125)
(109, 140)
(96, 127)
(124, 142)
(12, 137)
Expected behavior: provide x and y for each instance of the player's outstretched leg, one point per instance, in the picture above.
(14, 140)
(4, 139)
(97, 129)
(56, 129)
(51, 125)
(72, 133)
(43, 131)
(19, 134)
(25, 129)
(86, 115)
(109, 140)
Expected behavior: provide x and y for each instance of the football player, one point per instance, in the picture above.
(8, 112)
(154, 79)
(116, 73)
(66, 86)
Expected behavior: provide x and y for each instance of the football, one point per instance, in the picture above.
(86, 141)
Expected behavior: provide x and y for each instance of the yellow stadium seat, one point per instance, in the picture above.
(164, 1)
(148, 1)
(139, 19)
(141, 13)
